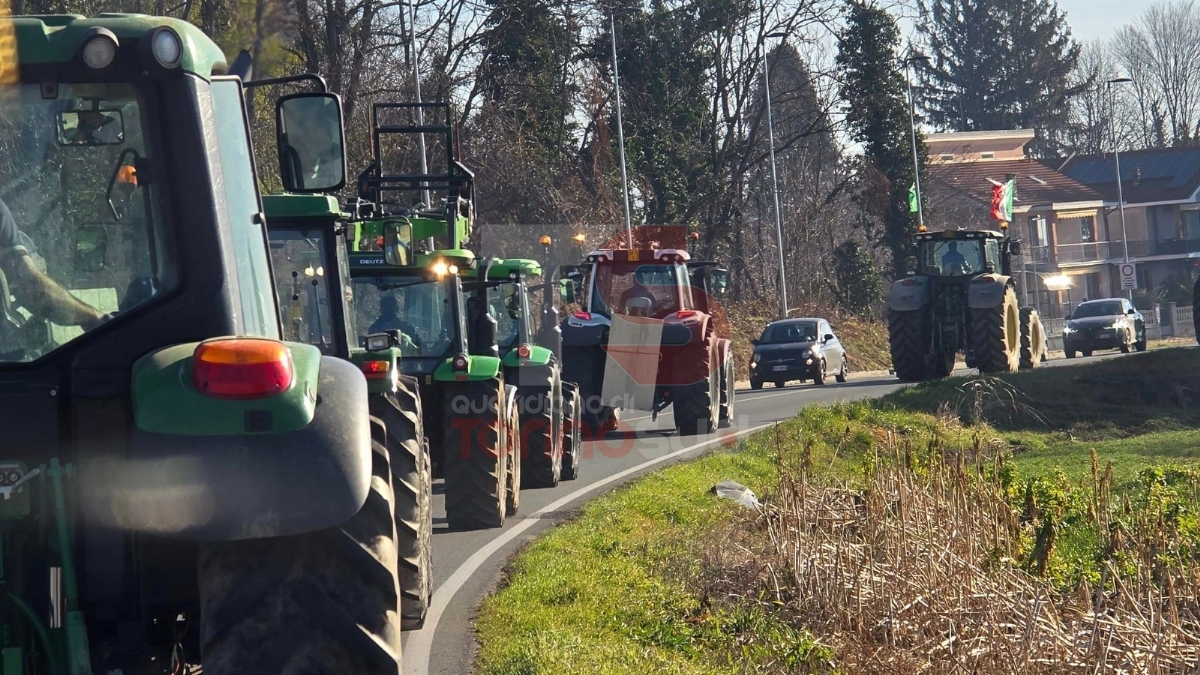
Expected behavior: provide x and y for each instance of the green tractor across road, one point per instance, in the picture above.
(181, 485)
(530, 345)
(962, 298)
(405, 262)
(312, 279)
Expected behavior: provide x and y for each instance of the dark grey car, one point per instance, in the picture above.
(1112, 323)
(797, 349)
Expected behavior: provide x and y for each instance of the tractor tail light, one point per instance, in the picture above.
(242, 368)
(685, 313)
(523, 351)
(583, 316)
(460, 362)
(376, 370)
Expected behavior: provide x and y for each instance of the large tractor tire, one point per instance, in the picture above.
(475, 456)
(996, 335)
(412, 484)
(540, 435)
(572, 432)
(698, 406)
(905, 336)
(325, 602)
(727, 382)
(512, 445)
(1033, 339)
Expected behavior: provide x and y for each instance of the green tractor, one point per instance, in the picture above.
(403, 280)
(181, 485)
(530, 345)
(962, 298)
(312, 280)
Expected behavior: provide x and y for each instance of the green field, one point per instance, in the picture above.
(1095, 463)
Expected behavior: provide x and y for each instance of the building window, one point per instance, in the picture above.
(947, 157)
(1087, 229)
(1191, 224)
(987, 155)
(1037, 231)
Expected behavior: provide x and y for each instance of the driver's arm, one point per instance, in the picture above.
(42, 296)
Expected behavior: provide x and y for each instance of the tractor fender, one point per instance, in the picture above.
(987, 290)
(248, 485)
(478, 368)
(908, 294)
(681, 331)
(591, 331)
(538, 356)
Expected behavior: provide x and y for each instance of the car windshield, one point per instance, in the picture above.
(634, 289)
(1087, 309)
(419, 309)
(789, 332)
(75, 172)
(955, 257)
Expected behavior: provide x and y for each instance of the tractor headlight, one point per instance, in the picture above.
(99, 49)
(167, 48)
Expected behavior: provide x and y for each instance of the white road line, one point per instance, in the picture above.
(417, 651)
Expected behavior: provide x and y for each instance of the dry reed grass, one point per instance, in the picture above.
(920, 572)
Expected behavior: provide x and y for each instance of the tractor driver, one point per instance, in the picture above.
(390, 319)
(953, 262)
(34, 290)
(637, 290)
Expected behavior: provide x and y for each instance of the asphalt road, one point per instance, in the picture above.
(468, 564)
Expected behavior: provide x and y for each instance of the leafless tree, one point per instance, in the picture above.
(1159, 52)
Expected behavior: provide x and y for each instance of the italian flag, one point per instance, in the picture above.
(1002, 200)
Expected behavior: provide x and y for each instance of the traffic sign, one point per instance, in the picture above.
(1128, 276)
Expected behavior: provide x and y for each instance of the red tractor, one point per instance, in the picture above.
(645, 337)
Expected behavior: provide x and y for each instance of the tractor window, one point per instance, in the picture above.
(504, 303)
(299, 266)
(635, 289)
(241, 201)
(953, 257)
(418, 308)
(80, 235)
(993, 254)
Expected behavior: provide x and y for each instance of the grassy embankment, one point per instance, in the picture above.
(1039, 522)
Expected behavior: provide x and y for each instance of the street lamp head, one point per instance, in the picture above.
(917, 57)
(1120, 80)
(1060, 282)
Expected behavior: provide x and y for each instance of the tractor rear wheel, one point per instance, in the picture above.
(324, 602)
(727, 375)
(572, 432)
(412, 485)
(908, 346)
(475, 458)
(996, 335)
(697, 406)
(1033, 341)
(540, 436)
(512, 446)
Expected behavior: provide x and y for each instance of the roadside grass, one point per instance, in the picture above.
(911, 532)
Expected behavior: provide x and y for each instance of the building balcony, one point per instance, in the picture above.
(1108, 251)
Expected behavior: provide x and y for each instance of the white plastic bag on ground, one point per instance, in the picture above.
(739, 493)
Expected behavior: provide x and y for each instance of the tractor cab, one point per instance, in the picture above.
(964, 253)
(650, 283)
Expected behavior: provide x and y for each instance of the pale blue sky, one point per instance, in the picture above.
(1091, 19)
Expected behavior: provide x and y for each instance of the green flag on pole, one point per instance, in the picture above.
(913, 206)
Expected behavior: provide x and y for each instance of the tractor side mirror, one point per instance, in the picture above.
(312, 142)
(1014, 247)
(566, 291)
(397, 242)
(91, 248)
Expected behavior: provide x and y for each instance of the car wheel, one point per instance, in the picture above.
(756, 384)
(1086, 352)
(819, 376)
(843, 372)
(779, 384)
(1070, 353)
(1127, 345)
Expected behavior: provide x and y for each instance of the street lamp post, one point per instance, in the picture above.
(1112, 103)
(912, 123)
(783, 302)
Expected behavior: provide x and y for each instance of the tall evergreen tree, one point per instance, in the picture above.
(873, 89)
(999, 64)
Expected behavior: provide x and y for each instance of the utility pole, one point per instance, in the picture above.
(783, 301)
(1112, 103)
(621, 134)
